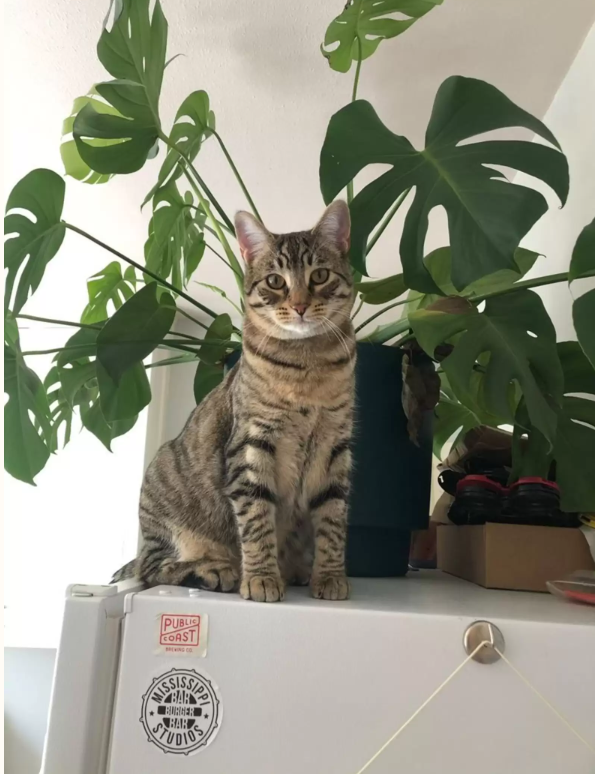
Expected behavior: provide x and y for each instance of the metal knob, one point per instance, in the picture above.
(490, 635)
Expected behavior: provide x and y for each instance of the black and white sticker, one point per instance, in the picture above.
(181, 711)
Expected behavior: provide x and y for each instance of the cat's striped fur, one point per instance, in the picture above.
(253, 492)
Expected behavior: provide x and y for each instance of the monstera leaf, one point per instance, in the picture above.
(364, 24)
(222, 293)
(574, 445)
(176, 243)
(94, 421)
(453, 419)
(209, 372)
(71, 158)
(384, 333)
(583, 309)
(26, 449)
(67, 389)
(194, 123)
(439, 264)
(109, 286)
(79, 367)
(382, 290)
(513, 339)
(34, 238)
(134, 331)
(217, 340)
(487, 215)
(75, 386)
(60, 411)
(133, 52)
(206, 378)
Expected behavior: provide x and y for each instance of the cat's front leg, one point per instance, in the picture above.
(328, 510)
(250, 463)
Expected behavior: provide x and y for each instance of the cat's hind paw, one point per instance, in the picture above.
(214, 579)
(334, 587)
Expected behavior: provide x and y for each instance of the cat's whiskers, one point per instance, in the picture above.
(341, 313)
(266, 338)
(326, 328)
(339, 335)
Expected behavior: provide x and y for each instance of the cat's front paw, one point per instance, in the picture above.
(335, 587)
(263, 588)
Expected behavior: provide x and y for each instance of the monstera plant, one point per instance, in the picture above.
(466, 304)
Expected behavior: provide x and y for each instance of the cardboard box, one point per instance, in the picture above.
(512, 556)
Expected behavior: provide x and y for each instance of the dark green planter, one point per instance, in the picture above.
(391, 477)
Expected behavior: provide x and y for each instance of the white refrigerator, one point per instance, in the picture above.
(174, 680)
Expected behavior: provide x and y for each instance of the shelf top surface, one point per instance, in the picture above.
(425, 593)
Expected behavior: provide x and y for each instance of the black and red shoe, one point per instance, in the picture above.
(478, 499)
(531, 500)
(534, 500)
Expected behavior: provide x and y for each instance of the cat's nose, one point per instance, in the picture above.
(300, 308)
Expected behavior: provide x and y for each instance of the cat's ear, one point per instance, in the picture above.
(252, 236)
(334, 226)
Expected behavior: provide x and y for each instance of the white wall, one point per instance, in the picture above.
(571, 117)
(273, 95)
(27, 688)
(79, 523)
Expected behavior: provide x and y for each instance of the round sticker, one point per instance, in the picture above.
(181, 711)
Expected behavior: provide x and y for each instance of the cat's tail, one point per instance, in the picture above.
(126, 572)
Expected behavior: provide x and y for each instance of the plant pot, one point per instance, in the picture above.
(391, 476)
(390, 493)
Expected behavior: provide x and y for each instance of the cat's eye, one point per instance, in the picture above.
(319, 276)
(275, 281)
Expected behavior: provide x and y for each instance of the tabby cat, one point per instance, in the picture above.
(253, 492)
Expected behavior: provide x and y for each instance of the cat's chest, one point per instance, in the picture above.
(294, 449)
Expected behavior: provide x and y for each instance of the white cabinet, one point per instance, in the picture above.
(318, 687)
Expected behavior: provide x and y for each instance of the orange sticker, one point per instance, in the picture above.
(182, 635)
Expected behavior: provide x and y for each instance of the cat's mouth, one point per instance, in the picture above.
(301, 327)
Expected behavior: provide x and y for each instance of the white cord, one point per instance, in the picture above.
(545, 701)
(450, 678)
(423, 706)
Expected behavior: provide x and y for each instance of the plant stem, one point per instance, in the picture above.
(58, 322)
(212, 230)
(201, 342)
(183, 335)
(200, 181)
(193, 319)
(171, 361)
(143, 269)
(173, 343)
(386, 309)
(358, 68)
(403, 340)
(550, 279)
(221, 258)
(54, 350)
(234, 169)
(219, 233)
(166, 343)
(209, 194)
(389, 216)
(359, 308)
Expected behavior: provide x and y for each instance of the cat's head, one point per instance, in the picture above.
(297, 285)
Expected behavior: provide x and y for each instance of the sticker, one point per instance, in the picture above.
(182, 635)
(181, 712)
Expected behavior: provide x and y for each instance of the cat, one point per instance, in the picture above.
(254, 490)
